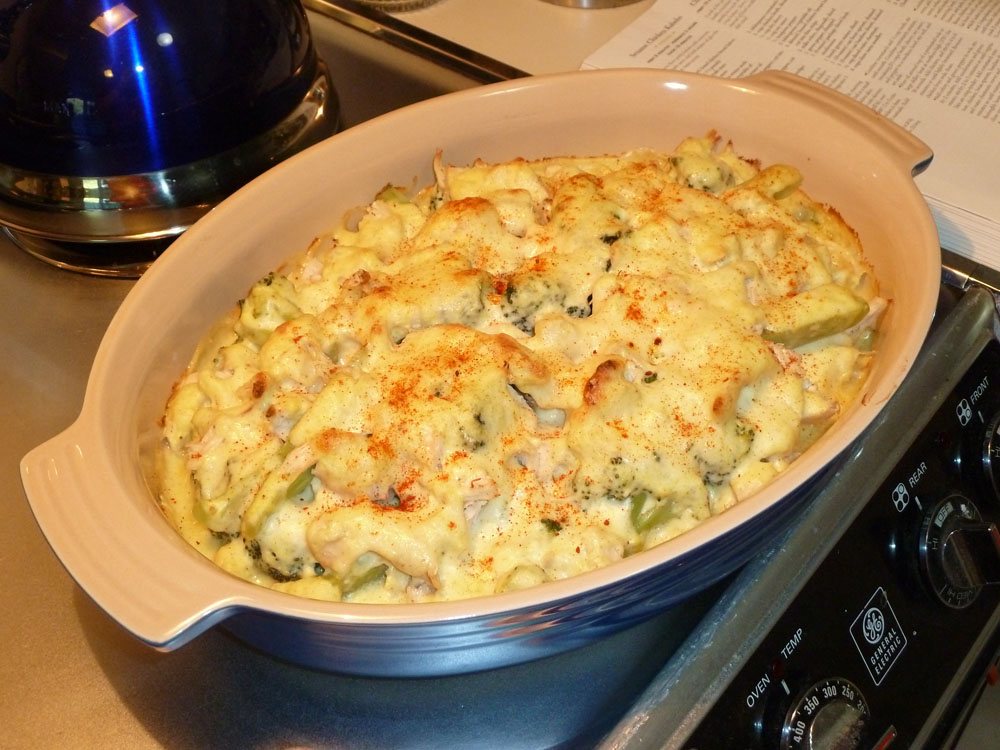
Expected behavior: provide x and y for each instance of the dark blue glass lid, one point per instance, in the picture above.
(97, 88)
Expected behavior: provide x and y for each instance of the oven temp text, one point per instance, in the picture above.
(762, 684)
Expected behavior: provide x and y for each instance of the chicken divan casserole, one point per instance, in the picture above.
(524, 371)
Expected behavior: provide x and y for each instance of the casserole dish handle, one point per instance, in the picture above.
(65, 479)
(911, 153)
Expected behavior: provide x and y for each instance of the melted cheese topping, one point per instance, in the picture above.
(526, 371)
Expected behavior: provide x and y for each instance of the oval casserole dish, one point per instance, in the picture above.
(89, 487)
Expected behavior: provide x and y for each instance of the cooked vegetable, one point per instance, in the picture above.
(813, 314)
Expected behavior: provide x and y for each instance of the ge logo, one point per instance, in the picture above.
(873, 625)
(900, 497)
(964, 412)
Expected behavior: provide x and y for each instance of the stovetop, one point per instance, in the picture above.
(74, 676)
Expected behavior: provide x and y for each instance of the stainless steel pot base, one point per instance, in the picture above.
(125, 260)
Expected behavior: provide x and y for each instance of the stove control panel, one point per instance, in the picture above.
(894, 632)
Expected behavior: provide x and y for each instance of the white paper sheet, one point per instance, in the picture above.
(933, 66)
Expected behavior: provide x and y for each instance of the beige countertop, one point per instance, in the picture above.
(535, 36)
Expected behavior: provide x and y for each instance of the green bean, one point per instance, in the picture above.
(375, 573)
(300, 484)
(648, 512)
(392, 194)
(866, 342)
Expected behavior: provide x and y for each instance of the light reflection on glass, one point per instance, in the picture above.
(113, 19)
(91, 191)
(117, 18)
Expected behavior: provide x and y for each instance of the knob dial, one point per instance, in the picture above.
(831, 713)
(991, 454)
(959, 551)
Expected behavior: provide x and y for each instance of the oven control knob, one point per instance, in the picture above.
(991, 454)
(959, 551)
(832, 713)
